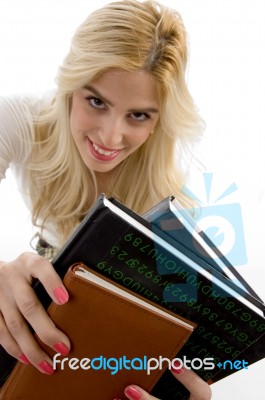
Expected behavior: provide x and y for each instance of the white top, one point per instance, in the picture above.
(16, 134)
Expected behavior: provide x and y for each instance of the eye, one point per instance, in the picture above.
(95, 102)
(140, 116)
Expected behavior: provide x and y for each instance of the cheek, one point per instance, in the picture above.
(78, 121)
(71, 126)
(140, 138)
(73, 120)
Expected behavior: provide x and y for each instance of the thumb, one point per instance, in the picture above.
(134, 392)
(198, 388)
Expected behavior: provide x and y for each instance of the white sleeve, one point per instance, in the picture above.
(16, 132)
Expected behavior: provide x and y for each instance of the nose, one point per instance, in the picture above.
(112, 131)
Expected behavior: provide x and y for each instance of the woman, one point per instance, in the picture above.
(119, 122)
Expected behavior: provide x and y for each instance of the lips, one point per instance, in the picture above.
(102, 153)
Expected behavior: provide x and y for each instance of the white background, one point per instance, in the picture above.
(226, 79)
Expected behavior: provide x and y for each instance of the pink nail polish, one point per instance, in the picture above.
(176, 367)
(132, 393)
(46, 368)
(61, 295)
(24, 359)
(61, 348)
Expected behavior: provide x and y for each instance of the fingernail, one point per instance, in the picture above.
(132, 393)
(176, 367)
(61, 295)
(46, 368)
(61, 348)
(24, 359)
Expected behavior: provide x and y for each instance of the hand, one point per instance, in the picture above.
(199, 390)
(19, 306)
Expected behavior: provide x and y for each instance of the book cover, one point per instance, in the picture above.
(115, 337)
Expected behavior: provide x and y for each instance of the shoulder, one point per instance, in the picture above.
(17, 114)
(22, 108)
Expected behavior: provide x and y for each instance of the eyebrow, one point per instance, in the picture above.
(97, 94)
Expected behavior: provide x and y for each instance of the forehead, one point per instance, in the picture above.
(135, 85)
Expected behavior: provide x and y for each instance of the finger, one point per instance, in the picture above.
(19, 304)
(134, 392)
(9, 343)
(40, 268)
(33, 311)
(34, 355)
(18, 330)
(199, 390)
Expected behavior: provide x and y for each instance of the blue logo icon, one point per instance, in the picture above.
(221, 223)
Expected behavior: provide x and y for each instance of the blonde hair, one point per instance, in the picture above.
(129, 35)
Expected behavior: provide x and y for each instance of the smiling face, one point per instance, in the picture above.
(113, 116)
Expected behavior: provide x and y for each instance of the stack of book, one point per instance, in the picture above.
(203, 308)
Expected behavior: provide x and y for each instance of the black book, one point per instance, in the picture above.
(137, 254)
(128, 249)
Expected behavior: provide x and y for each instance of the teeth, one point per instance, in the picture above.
(103, 152)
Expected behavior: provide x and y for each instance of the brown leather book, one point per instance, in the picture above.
(113, 334)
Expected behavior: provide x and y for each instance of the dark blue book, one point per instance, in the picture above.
(171, 218)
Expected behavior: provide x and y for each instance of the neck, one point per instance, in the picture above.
(103, 181)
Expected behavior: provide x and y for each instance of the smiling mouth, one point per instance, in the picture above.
(103, 152)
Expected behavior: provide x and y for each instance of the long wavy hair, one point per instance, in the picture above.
(130, 35)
